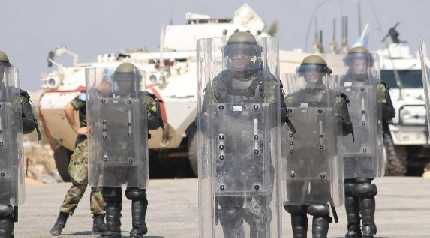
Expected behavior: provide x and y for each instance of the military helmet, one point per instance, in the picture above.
(244, 37)
(358, 52)
(125, 68)
(126, 72)
(242, 42)
(313, 62)
(4, 59)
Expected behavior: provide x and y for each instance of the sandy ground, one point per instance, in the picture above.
(403, 210)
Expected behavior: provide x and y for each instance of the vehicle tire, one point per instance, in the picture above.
(396, 158)
(62, 160)
(192, 153)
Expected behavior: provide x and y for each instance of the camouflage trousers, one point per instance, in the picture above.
(78, 169)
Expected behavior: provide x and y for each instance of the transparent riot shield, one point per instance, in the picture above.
(118, 133)
(362, 150)
(312, 171)
(11, 162)
(238, 149)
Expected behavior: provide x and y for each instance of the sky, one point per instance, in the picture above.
(90, 27)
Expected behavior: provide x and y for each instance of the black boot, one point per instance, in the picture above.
(321, 220)
(113, 221)
(299, 222)
(59, 224)
(137, 219)
(6, 228)
(352, 207)
(320, 227)
(99, 225)
(144, 207)
(113, 200)
(367, 207)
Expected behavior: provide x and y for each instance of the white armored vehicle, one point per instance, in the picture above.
(170, 73)
(408, 137)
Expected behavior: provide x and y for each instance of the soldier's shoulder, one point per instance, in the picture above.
(78, 102)
(219, 81)
(25, 96)
(222, 77)
(148, 97)
(268, 76)
(291, 99)
(147, 94)
(381, 86)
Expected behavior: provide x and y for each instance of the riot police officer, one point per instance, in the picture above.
(363, 158)
(119, 124)
(16, 118)
(240, 112)
(314, 172)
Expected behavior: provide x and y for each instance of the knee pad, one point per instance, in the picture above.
(363, 180)
(319, 210)
(366, 189)
(135, 194)
(349, 189)
(295, 210)
(6, 211)
(230, 215)
(112, 194)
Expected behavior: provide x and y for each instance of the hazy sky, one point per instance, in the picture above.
(89, 27)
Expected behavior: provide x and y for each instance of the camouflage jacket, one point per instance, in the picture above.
(382, 95)
(322, 97)
(153, 108)
(149, 101)
(261, 90)
(79, 104)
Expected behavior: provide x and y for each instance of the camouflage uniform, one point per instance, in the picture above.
(78, 169)
(359, 191)
(113, 195)
(316, 95)
(126, 81)
(244, 81)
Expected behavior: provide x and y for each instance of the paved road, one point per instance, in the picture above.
(403, 210)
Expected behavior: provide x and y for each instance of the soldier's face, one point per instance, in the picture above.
(124, 86)
(313, 76)
(105, 87)
(359, 66)
(239, 62)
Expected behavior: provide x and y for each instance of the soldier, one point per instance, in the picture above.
(119, 122)
(314, 172)
(17, 117)
(240, 113)
(363, 157)
(78, 169)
